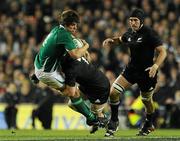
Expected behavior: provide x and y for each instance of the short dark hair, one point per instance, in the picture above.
(68, 17)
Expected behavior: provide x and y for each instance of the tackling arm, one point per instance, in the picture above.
(87, 56)
(79, 52)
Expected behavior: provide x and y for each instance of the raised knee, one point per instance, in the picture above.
(116, 91)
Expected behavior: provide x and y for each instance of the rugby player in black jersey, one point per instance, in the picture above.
(92, 83)
(143, 42)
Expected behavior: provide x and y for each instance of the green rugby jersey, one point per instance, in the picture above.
(53, 48)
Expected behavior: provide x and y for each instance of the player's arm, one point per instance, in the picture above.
(161, 55)
(157, 44)
(70, 80)
(79, 52)
(71, 48)
(159, 60)
(117, 40)
(112, 41)
(87, 56)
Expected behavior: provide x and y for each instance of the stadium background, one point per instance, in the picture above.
(25, 23)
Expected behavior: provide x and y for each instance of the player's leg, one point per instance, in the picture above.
(97, 109)
(56, 81)
(98, 98)
(117, 89)
(52, 79)
(78, 104)
(147, 90)
(147, 100)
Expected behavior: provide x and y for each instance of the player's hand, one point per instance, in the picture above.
(87, 56)
(152, 70)
(85, 43)
(108, 42)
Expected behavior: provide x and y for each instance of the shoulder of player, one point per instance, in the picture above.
(128, 32)
(149, 31)
(63, 32)
(145, 29)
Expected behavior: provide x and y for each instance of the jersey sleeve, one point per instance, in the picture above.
(126, 35)
(154, 39)
(70, 74)
(66, 39)
(70, 79)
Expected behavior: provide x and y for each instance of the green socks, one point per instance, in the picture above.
(82, 108)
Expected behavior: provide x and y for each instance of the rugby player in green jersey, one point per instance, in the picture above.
(57, 44)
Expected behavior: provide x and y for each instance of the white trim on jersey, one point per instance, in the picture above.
(43, 67)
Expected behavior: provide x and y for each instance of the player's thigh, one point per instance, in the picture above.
(120, 84)
(53, 79)
(96, 95)
(147, 84)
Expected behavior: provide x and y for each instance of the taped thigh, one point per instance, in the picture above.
(118, 87)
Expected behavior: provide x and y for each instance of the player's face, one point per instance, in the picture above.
(72, 28)
(134, 23)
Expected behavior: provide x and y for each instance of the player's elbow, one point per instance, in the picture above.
(162, 51)
(165, 53)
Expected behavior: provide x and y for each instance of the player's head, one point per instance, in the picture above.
(70, 19)
(136, 19)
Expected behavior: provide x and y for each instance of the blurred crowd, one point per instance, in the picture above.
(25, 23)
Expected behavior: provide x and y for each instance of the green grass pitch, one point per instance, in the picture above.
(56, 135)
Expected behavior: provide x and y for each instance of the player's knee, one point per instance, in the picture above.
(97, 109)
(69, 92)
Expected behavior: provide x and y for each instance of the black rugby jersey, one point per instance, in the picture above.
(85, 74)
(142, 45)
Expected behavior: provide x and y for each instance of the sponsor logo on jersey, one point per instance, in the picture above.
(139, 39)
(151, 89)
(129, 39)
(97, 101)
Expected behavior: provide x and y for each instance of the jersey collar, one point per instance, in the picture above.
(61, 26)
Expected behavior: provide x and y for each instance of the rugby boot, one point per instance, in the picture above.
(147, 128)
(102, 123)
(112, 127)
